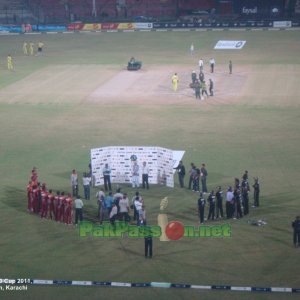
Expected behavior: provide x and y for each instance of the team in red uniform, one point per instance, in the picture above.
(51, 207)
(62, 207)
(43, 202)
(29, 192)
(57, 206)
(68, 210)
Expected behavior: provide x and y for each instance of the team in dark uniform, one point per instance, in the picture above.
(219, 202)
(237, 198)
(201, 207)
(212, 201)
(256, 188)
(181, 173)
(296, 233)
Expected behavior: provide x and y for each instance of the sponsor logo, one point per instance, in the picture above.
(248, 11)
(143, 25)
(282, 24)
(133, 157)
(230, 45)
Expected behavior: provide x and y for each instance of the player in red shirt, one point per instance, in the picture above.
(34, 175)
(68, 210)
(62, 206)
(29, 192)
(39, 198)
(35, 199)
(57, 206)
(44, 201)
(51, 207)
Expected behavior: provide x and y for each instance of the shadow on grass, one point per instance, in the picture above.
(15, 198)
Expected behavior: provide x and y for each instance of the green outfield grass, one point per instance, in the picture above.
(54, 130)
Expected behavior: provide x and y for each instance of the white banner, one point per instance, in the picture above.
(282, 24)
(160, 161)
(143, 25)
(236, 45)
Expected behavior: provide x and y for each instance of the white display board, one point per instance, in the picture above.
(161, 163)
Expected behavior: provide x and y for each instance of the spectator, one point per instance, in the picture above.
(124, 208)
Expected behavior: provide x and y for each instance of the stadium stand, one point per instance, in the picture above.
(14, 11)
(65, 11)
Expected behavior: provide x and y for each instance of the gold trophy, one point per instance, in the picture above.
(162, 219)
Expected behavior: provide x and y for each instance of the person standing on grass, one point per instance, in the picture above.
(192, 173)
(10, 65)
(204, 89)
(212, 204)
(175, 80)
(51, 205)
(68, 210)
(34, 176)
(201, 77)
(31, 48)
(106, 175)
(44, 201)
(142, 216)
(113, 214)
(181, 173)
(245, 195)
(108, 200)
(245, 176)
(230, 67)
(86, 180)
(201, 65)
(78, 209)
(135, 198)
(192, 49)
(29, 193)
(135, 175)
(296, 234)
(238, 206)
(40, 46)
(212, 65)
(201, 207)
(197, 87)
(100, 202)
(194, 77)
(25, 51)
(229, 203)
(148, 244)
(196, 180)
(57, 206)
(74, 183)
(256, 188)
(138, 203)
(124, 208)
(145, 175)
(62, 206)
(203, 175)
(211, 87)
(219, 202)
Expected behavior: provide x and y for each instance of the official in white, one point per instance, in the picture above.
(135, 175)
(201, 64)
(192, 49)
